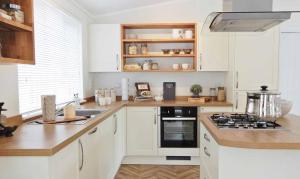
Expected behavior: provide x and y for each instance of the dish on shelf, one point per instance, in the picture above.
(187, 51)
(176, 51)
(165, 51)
(132, 67)
(186, 66)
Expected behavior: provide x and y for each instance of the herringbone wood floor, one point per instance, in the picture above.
(158, 172)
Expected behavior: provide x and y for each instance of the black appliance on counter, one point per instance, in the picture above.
(4, 130)
(169, 90)
(178, 127)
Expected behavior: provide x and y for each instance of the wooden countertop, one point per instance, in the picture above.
(286, 138)
(46, 140)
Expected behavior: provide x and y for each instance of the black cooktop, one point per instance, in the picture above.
(242, 121)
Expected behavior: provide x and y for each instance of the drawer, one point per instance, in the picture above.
(216, 109)
(205, 137)
(209, 159)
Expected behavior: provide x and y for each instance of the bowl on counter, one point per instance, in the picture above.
(286, 107)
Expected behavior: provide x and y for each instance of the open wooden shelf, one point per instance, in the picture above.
(17, 39)
(158, 55)
(161, 70)
(159, 40)
(13, 25)
(13, 60)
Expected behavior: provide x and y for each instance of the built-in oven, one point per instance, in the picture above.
(178, 127)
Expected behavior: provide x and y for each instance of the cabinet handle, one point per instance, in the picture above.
(93, 131)
(206, 151)
(237, 101)
(237, 80)
(155, 119)
(82, 155)
(206, 137)
(200, 61)
(117, 60)
(116, 124)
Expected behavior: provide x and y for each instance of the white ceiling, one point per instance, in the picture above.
(100, 7)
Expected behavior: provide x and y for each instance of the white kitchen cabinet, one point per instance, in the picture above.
(104, 47)
(256, 60)
(89, 154)
(119, 138)
(106, 168)
(142, 131)
(213, 51)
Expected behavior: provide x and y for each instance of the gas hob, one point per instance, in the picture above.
(242, 121)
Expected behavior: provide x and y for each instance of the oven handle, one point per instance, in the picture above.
(179, 119)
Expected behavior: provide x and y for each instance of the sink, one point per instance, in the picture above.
(87, 112)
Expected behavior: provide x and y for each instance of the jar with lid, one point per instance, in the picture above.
(107, 93)
(213, 94)
(144, 49)
(113, 95)
(132, 49)
(221, 94)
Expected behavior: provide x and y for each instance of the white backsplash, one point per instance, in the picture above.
(183, 81)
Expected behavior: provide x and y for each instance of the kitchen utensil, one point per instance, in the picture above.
(169, 90)
(177, 33)
(264, 104)
(176, 51)
(165, 51)
(185, 66)
(286, 106)
(187, 51)
(154, 66)
(188, 34)
(213, 93)
(221, 94)
(158, 98)
(48, 107)
(176, 66)
(125, 89)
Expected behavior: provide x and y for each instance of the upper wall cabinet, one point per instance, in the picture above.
(213, 51)
(16, 37)
(104, 47)
(256, 60)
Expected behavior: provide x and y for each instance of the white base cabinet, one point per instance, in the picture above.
(221, 162)
(142, 131)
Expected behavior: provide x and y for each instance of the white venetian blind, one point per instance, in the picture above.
(58, 59)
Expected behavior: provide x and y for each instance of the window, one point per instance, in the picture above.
(58, 68)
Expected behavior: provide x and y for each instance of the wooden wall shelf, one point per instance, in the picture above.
(17, 39)
(159, 40)
(165, 39)
(157, 56)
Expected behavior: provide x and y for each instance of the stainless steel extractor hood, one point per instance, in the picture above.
(245, 16)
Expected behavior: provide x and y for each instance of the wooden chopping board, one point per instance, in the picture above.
(61, 119)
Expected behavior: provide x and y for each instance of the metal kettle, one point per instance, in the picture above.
(264, 104)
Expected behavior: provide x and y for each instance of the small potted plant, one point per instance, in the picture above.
(196, 90)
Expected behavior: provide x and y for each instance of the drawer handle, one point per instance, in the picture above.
(93, 131)
(206, 151)
(206, 137)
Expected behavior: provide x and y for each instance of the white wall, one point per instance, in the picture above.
(183, 81)
(8, 73)
(175, 11)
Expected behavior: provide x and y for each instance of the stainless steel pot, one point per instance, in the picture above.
(264, 104)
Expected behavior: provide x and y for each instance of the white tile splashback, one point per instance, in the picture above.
(183, 81)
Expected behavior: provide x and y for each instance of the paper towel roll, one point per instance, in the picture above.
(48, 107)
(125, 90)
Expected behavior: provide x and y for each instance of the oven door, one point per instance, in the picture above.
(179, 132)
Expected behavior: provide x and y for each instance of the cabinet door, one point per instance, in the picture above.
(240, 101)
(142, 131)
(89, 154)
(106, 148)
(256, 59)
(213, 51)
(119, 138)
(104, 47)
